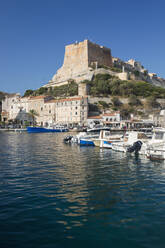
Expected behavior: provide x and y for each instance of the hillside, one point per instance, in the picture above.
(104, 85)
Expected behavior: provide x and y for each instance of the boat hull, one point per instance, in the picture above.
(103, 143)
(84, 142)
(45, 130)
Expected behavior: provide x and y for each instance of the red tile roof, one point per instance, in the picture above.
(70, 99)
(37, 97)
(4, 113)
(51, 101)
(111, 114)
(95, 117)
(65, 99)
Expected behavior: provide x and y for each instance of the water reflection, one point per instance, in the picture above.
(75, 192)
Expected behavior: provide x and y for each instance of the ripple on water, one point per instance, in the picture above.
(51, 192)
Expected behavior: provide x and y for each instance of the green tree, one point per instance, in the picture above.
(33, 115)
(152, 102)
(28, 92)
(103, 105)
(134, 101)
(145, 73)
(116, 102)
(42, 91)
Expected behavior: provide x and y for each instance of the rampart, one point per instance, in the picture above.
(99, 55)
(78, 60)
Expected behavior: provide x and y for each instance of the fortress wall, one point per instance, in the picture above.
(99, 54)
(78, 57)
(75, 60)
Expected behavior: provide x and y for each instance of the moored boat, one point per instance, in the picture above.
(87, 139)
(134, 142)
(106, 139)
(46, 129)
(155, 149)
(86, 142)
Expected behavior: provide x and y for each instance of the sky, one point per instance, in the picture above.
(34, 33)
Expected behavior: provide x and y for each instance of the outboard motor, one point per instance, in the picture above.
(135, 147)
(68, 139)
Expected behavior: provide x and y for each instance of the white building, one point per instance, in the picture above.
(15, 108)
(72, 111)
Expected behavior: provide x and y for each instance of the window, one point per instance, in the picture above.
(49, 111)
(75, 113)
(41, 108)
(11, 107)
(159, 135)
(106, 119)
(75, 107)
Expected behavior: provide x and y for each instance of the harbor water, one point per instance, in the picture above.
(58, 195)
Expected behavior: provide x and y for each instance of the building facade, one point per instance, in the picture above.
(15, 109)
(72, 111)
(48, 111)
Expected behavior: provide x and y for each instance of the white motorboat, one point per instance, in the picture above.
(106, 138)
(133, 142)
(155, 149)
(91, 133)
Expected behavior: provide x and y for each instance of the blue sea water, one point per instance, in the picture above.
(57, 195)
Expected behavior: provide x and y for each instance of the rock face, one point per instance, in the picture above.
(79, 60)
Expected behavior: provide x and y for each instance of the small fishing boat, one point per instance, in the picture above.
(156, 154)
(47, 129)
(88, 138)
(106, 139)
(86, 142)
(83, 137)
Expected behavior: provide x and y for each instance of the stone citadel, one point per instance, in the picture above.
(85, 59)
(79, 61)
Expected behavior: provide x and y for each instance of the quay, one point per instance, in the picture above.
(12, 129)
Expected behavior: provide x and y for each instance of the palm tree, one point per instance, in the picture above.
(33, 115)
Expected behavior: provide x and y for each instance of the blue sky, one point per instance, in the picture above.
(33, 35)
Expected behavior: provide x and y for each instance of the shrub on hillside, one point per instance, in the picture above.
(134, 101)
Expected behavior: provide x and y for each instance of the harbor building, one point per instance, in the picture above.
(72, 111)
(15, 108)
(37, 103)
(68, 111)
